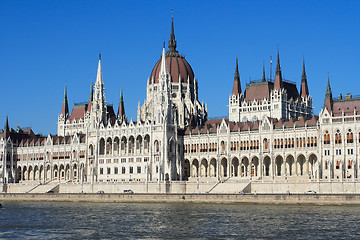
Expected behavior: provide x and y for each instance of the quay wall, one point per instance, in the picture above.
(318, 199)
(215, 187)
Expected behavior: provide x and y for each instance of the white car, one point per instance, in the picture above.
(310, 192)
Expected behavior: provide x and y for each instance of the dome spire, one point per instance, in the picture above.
(172, 41)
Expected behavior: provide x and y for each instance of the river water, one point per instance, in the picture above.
(67, 220)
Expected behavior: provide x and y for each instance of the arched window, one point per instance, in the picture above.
(157, 146)
(338, 137)
(349, 137)
(223, 146)
(326, 137)
(266, 144)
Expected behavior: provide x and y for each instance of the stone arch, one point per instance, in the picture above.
(116, 145)
(108, 146)
(42, 173)
(131, 145)
(31, 173)
(313, 169)
(55, 172)
(139, 144)
(204, 168)
(48, 172)
(244, 166)
(235, 167)
(123, 145)
(266, 166)
(36, 173)
(156, 146)
(186, 170)
(301, 165)
(147, 143)
(25, 175)
(279, 165)
(62, 172)
(19, 174)
(171, 146)
(212, 168)
(74, 171)
(195, 168)
(67, 172)
(91, 150)
(290, 168)
(223, 167)
(102, 146)
(254, 167)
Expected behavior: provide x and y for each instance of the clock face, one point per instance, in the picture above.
(173, 95)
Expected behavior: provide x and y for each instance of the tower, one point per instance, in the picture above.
(235, 97)
(98, 106)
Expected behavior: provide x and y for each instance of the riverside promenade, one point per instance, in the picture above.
(316, 199)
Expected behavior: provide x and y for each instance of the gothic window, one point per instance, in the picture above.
(349, 136)
(266, 146)
(102, 146)
(326, 137)
(157, 146)
(338, 137)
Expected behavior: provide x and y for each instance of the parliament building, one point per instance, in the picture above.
(271, 133)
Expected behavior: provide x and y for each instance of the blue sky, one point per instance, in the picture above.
(45, 45)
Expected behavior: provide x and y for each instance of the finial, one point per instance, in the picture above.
(99, 56)
(172, 14)
(164, 44)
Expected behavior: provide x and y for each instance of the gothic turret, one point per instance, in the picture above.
(121, 111)
(264, 78)
(304, 90)
(98, 108)
(278, 78)
(328, 103)
(91, 96)
(6, 134)
(65, 106)
(236, 86)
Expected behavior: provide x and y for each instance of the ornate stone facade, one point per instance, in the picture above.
(271, 134)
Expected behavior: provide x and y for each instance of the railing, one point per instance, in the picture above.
(268, 80)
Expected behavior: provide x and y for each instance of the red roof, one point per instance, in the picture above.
(176, 66)
(78, 112)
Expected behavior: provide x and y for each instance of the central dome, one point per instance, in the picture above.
(177, 66)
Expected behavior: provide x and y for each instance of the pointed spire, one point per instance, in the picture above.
(304, 90)
(65, 106)
(90, 96)
(172, 41)
(163, 69)
(236, 85)
(278, 78)
(328, 103)
(99, 79)
(121, 110)
(6, 129)
(264, 78)
(328, 93)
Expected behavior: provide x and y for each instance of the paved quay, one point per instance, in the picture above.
(317, 199)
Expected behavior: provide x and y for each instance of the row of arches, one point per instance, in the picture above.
(123, 145)
(61, 172)
(251, 167)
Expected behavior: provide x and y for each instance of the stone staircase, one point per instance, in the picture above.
(231, 186)
(44, 188)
